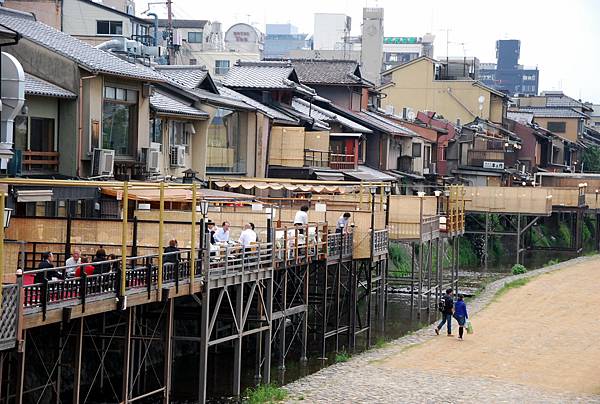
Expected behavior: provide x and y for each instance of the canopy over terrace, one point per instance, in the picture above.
(327, 187)
(179, 194)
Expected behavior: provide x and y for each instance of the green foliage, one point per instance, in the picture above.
(591, 159)
(264, 393)
(400, 260)
(380, 343)
(341, 357)
(539, 236)
(518, 269)
(564, 235)
(551, 262)
(467, 256)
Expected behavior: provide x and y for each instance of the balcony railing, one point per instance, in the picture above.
(40, 160)
(321, 158)
(478, 157)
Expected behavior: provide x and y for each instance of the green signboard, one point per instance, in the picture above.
(401, 40)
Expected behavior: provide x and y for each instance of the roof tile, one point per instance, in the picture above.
(85, 55)
(164, 103)
(36, 86)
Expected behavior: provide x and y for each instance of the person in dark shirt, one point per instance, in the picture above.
(211, 229)
(100, 257)
(461, 315)
(46, 263)
(172, 248)
(446, 313)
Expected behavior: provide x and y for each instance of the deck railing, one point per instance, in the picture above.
(380, 242)
(40, 160)
(46, 287)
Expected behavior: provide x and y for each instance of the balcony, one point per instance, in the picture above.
(486, 158)
(44, 161)
(320, 158)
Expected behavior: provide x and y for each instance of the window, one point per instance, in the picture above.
(109, 27)
(226, 143)
(444, 153)
(416, 150)
(179, 134)
(195, 37)
(193, 62)
(557, 127)
(41, 135)
(221, 67)
(119, 120)
(156, 130)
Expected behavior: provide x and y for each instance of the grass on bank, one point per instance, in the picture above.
(264, 393)
(517, 283)
(341, 357)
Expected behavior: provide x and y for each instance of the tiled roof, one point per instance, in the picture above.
(273, 75)
(270, 112)
(553, 112)
(520, 116)
(36, 86)
(88, 57)
(220, 100)
(164, 103)
(316, 71)
(264, 75)
(327, 116)
(371, 120)
(316, 123)
(185, 75)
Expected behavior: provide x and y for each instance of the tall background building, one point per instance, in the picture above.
(372, 44)
(507, 75)
(402, 49)
(281, 39)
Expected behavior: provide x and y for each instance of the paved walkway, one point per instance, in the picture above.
(539, 343)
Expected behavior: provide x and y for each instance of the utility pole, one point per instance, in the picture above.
(170, 31)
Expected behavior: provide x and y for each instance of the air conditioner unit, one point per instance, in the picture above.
(151, 158)
(103, 163)
(178, 156)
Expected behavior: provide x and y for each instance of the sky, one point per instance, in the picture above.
(561, 38)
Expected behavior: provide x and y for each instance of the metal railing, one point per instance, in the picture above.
(380, 242)
(336, 161)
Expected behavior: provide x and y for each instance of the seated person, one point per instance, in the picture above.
(100, 257)
(47, 263)
(211, 229)
(172, 248)
(222, 234)
(87, 269)
(248, 236)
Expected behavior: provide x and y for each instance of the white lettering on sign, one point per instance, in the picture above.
(493, 164)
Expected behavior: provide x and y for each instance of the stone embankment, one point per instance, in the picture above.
(534, 344)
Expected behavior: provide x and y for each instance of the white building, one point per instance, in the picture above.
(331, 31)
(402, 49)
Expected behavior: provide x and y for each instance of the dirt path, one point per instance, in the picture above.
(544, 334)
(539, 343)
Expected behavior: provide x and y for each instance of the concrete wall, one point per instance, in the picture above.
(79, 19)
(372, 44)
(344, 96)
(46, 11)
(414, 87)
(571, 127)
(208, 58)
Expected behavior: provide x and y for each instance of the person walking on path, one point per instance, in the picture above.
(460, 314)
(446, 307)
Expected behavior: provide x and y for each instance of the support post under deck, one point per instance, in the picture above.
(168, 343)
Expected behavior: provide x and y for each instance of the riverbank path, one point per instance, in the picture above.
(537, 343)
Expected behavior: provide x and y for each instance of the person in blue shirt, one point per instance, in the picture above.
(460, 314)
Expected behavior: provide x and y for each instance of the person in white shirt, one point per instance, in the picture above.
(248, 236)
(222, 234)
(72, 262)
(342, 223)
(301, 218)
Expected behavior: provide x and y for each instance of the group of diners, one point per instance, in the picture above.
(221, 235)
(75, 265)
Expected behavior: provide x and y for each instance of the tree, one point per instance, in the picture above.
(591, 159)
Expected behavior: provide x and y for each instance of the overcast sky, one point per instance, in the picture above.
(561, 37)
